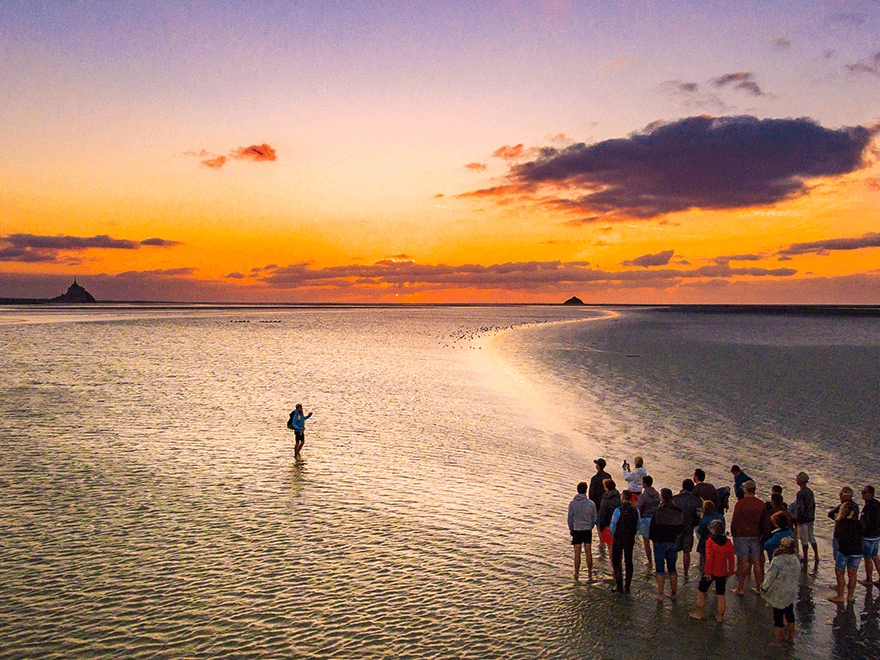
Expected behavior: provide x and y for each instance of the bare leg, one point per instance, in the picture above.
(673, 585)
(790, 637)
(588, 550)
(577, 561)
(777, 636)
(686, 562)
(851, 586)
(722, 608)
(741, 568)
(815, 552)
(840, 587)
(876, 561)
(701, 605)
(650, 559)
(759, 576)
(661, 582)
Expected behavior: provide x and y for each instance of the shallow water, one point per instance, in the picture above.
(151, 507)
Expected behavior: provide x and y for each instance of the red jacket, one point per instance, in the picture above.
(719, 559)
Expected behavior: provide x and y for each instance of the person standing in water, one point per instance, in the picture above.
(297, 423)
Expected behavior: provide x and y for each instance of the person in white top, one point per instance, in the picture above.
(634, 478)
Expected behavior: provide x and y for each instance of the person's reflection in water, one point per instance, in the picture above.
(845, 634)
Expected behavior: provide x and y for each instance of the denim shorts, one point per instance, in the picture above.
(844, 562)
(665, 555)
(747, 547)
(644, 526)
(870, 548)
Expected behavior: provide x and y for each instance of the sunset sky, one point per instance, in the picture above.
(511, 151)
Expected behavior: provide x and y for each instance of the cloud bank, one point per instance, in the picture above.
(33, 248)
(694, 163)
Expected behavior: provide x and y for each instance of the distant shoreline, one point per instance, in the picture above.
(720, 309)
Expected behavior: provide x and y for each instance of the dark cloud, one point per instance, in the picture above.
(476, 166)
(869, 240)
(694, 163)
(737, 257)
(159, 242)
(68, 242)
(740, 80)
(33, 248)
(692, 95)
(27, 255)
(781, 43)
(524, 275)
(236, 276)
(648, 260)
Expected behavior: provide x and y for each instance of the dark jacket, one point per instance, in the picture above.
(833, 513)
(627, 525)
(871, 518)
(690, 506)
(667, 524)
(597, 489)
(707, 492)
(610, 502)
(848, 533)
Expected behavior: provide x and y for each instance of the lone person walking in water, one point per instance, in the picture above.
(297, 423)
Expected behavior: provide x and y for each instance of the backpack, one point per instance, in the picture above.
(723, 498)
(290, 422)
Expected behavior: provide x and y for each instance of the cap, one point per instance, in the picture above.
(803, 476)
(600, 462)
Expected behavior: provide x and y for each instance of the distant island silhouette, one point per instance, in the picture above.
(574, 300)
(75, 294)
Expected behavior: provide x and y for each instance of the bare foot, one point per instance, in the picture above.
(672, 596)
(659, 597)
(696, 615)
(836, 599)
(719, 618)
(867, 583)
(739, 592)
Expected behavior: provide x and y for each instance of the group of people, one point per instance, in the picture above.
(668, 524)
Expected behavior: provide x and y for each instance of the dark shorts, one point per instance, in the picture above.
(299, 435)
(779, 614)
(579, 536)
(686, 541)
(719, 580)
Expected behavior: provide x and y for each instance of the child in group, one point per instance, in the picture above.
(720, 565)
(780, 587)
(708, 514)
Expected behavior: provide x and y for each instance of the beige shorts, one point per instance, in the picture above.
(805, 533)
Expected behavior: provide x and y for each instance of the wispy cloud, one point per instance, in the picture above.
(726, 259)
(509, 152)
(781, 43)
(257, 153)
(694, 163)
(476, 166)
(740, 80)
(649, 260)
(871, 66)
(869, 240)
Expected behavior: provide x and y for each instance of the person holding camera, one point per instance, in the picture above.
(634, 478)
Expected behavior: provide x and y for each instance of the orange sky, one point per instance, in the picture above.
(518, 152)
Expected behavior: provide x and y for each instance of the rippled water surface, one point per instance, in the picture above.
(151, 507)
